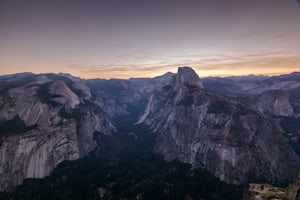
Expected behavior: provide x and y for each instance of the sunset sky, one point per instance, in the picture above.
(145, 38)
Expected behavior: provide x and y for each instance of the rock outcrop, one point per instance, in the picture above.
(44, 120)
(264, 191)
(224, 137)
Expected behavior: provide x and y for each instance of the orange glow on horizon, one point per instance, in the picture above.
(123, 72)
(201, 73)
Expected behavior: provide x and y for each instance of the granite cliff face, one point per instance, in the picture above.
(224, 137)
(273, 102)
(44, 120)
(278, 102)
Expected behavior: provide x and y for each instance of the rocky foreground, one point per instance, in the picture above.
(268, 192)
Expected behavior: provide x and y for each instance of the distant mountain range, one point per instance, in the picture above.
(235, 129)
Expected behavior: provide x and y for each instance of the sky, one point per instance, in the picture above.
(146, 38)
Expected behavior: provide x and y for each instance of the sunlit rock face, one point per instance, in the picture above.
(227, 138)
(44, 120)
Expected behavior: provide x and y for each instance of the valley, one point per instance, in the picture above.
(175, 136)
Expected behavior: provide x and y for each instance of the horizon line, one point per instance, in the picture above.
(149, 77)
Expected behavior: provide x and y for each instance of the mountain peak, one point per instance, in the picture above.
(189, 76)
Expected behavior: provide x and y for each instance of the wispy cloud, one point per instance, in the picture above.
(207, 64)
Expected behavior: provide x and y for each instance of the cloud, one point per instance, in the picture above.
(207, 64)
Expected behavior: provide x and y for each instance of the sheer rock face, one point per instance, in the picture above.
(230, 140)
(274, 102)
(43, 122)
(186, 75)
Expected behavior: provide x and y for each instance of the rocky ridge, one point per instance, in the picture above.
(251, 85)
(227, 138)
